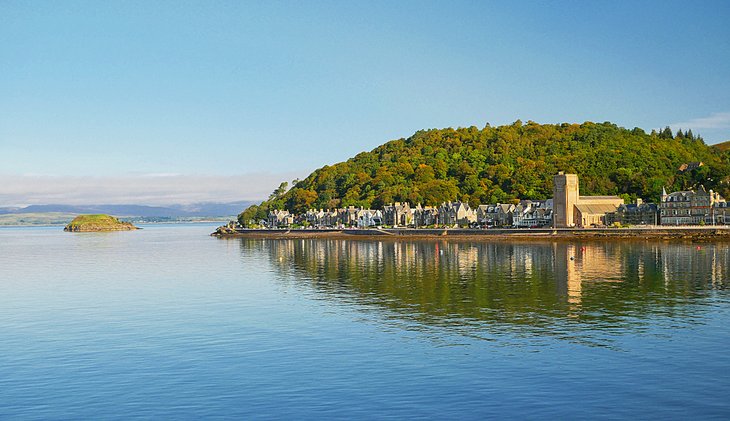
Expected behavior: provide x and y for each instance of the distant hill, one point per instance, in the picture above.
(192, 210)
(49, 218)
(724, 146)
(505, 163)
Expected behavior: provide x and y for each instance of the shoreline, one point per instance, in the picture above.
(691, 234)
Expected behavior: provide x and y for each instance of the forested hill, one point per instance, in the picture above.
(724, 146)
(499, 164)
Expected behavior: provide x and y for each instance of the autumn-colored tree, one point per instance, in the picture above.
(301, 200)
(507, 163)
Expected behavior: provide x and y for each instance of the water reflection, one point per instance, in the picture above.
(581, 291)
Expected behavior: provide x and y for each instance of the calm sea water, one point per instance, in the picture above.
(169, 323)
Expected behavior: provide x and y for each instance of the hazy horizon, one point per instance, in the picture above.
(149, 190)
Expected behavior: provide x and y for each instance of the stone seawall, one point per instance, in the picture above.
(699, 234)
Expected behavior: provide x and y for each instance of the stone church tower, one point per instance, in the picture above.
(570, 209)
(565, 197)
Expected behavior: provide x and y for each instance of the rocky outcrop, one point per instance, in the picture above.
(228, 229)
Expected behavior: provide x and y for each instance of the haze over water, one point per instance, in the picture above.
(170, 323)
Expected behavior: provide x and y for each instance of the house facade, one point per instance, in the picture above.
(691, 207)
(532, 214)
(456, 213)
(348, 216)
(398, 214)
(721, 212)
(367, 218)
(322, 218)
(424, 216)
(638, 213)
(498, 215)
(280, 219)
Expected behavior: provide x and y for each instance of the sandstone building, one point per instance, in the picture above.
(570, 209)
(693, 207)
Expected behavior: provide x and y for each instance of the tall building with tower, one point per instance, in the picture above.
(570, 209)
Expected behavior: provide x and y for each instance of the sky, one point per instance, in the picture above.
(180, 101)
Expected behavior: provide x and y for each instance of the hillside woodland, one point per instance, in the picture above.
(508, 163)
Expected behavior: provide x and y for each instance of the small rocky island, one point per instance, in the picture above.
(97, 223)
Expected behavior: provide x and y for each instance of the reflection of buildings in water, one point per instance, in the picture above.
(696, 263)
(572, 264)
(478, 287)
(600, 262)
(467, 260)
(528, 264)
(682, 267)
(501, 280)
(569, 284)
(720, 261)
(410, 260)
(577, 264)
(573, 277)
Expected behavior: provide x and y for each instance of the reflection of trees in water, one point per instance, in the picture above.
(573, 286)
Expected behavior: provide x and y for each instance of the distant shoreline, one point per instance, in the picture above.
(692, 234)
(4, 223)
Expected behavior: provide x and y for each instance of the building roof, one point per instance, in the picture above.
(678, 196)
(633, 207)
(595, 209)
(598, 197)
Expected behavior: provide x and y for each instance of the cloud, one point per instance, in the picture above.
(714, 121)
(145, 189)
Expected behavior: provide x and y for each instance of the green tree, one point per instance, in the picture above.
(248, 216)
(301, 200)
(439, 191)
(279, 191)
(506, 163)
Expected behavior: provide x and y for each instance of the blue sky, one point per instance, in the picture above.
(241, 95)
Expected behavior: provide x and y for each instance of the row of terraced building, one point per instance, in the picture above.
(566, 209)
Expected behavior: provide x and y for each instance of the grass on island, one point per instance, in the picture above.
(98, 222)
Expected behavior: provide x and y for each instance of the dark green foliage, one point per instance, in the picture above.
(517, 161)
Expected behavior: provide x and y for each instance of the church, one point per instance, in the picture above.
(570, 209)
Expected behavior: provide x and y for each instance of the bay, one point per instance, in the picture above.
(168, 322)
